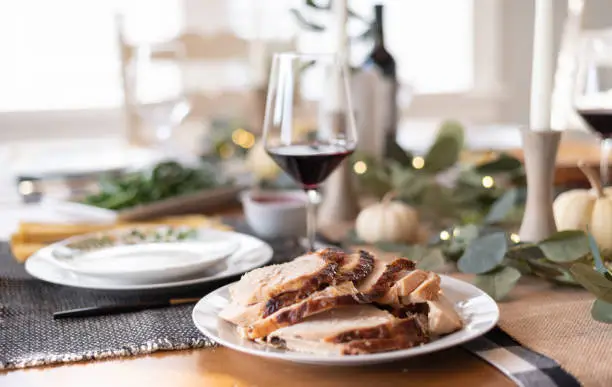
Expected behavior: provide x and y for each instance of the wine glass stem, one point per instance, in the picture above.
(311, 217)
(606, 145)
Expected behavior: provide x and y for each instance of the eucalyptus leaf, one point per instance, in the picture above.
(462, 237)
(401, 177)
(392, 247)
(550, 271)
(469, 196)
(521, 265)
(504, 163)
(466, 233)
(518, 178)
(433, 260)
(565, 246)
(602, 311)
(443, 154)
(353, 239)
(592, 281)
(454, 129)
(470, 177)
(414, 189)
(438, 201)
(501, 207)
(375, 180)
(498, 283)
(525, 251)
(471, 216)
(417, 252)
(396, 153)
(483, 254)
(599, 265)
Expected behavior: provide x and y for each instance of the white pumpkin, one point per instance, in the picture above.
(578, 209)
(388, 221)
(260, 163)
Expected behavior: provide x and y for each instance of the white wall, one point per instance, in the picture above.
(517, 35)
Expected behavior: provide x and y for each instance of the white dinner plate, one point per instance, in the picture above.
(144, 259)
(252, 253)
(478, 311)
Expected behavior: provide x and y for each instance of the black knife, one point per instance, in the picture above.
(105, 310)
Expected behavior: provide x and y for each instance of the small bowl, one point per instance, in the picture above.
(275, 214)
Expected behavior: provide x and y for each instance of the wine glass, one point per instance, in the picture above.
(156, 77)
(593, 91)
(309, 157)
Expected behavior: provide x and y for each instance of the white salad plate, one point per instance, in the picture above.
(144, 260)
(249, 253)
(478, 311)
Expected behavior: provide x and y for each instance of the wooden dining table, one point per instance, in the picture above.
(224, 367)
(220, 367)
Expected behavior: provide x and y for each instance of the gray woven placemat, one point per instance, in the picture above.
(30, 337)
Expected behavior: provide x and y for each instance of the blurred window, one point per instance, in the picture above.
(62, 54)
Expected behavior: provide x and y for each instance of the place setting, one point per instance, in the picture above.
(148, 259)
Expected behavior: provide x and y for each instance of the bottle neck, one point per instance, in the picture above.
(379, 36)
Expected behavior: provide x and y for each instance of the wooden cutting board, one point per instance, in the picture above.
(210, 200)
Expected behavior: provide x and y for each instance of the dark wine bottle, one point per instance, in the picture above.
(381, 61)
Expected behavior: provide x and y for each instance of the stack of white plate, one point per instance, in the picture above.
(151, 258)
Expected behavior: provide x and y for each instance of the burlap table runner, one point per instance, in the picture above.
(556, 321)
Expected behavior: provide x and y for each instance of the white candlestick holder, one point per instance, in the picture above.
(540, 154)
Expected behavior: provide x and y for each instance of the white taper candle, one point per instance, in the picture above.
(542, 66)
(339, 38)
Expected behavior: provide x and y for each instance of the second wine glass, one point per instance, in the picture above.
(319, 84)
(593, 92)
(158, 92)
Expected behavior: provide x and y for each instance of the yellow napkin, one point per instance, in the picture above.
(30, 237)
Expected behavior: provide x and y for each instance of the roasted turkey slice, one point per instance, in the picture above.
(354, 267)
(306, 274)
(383, 277)
(329, 298)
(352, 330)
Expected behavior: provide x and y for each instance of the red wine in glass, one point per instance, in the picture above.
(600, 120)
(309, 164)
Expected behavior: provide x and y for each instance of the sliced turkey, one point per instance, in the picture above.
(242, 315)
(354, 267)
(427, 290)
(329, 298)
(382, 278)
(416, 286)
(443, 318)
(331, 302)
(352, 330)
(306, 274)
